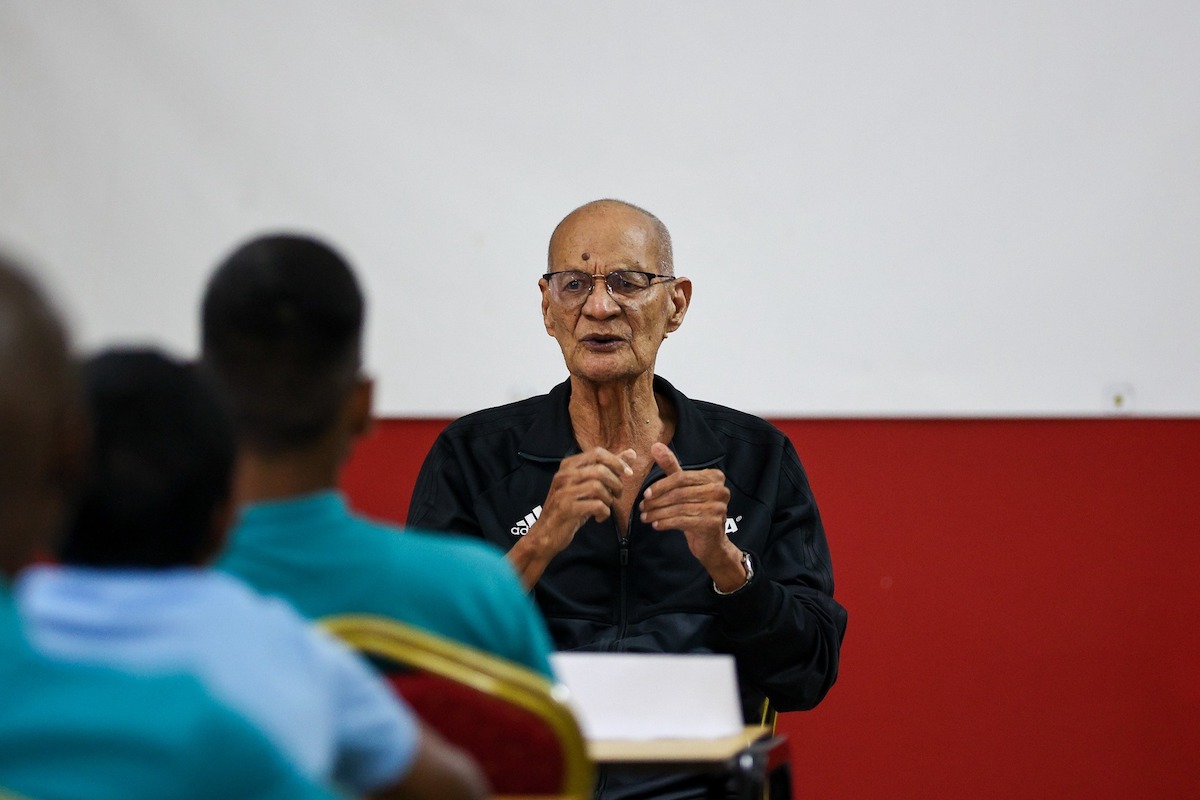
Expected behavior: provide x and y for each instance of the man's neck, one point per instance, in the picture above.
(262, 477)
(617, 416)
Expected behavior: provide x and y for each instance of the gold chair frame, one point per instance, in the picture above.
(481, 671)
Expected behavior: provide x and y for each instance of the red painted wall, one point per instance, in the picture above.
(1024, 602)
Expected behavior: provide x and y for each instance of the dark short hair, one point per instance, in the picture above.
(162, 464)
(281, 326)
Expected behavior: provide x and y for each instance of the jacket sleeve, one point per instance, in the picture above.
(441, 500)
(785, 628)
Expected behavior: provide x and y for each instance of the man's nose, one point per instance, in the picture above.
(600, 304)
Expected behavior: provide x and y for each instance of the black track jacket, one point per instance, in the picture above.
(489, 472)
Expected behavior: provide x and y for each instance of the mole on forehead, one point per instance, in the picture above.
(585, 256)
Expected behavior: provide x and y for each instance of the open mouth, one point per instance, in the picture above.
(597, 342)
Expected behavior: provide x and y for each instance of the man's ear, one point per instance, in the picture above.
(218, 532)
(681, 298)
(360, 405)
(546, 319)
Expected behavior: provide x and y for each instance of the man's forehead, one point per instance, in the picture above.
(607, 229)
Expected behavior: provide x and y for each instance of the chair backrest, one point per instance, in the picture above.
(513, 721)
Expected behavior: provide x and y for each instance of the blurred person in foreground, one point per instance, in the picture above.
(135, 591)
(642, 520)
(80, 733)
(282, 325)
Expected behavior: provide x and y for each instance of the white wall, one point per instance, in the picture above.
(929, 208)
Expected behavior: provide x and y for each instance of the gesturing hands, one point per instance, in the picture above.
(588, 486)
(693, 501)
(585, 487)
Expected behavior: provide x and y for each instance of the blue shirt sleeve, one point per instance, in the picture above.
(232, 759)
(376, 733)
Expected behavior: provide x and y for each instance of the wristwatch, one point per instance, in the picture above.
(749, 567)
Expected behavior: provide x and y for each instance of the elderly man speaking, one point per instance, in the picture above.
(644, 521)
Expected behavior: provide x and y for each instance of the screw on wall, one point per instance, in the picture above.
(1119, 398)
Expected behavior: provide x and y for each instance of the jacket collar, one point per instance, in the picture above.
(551, 437)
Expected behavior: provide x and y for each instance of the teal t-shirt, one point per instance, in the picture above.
(70, 732)
(326, 561)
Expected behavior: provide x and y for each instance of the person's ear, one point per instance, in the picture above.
(681, 298)
(360, 405)
(547, 320)
(218, 532)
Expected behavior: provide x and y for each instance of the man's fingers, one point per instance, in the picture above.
(678, 522)
(599, 465)
(687, 481)
(619, 463)
(665, 458)
(694, 506)
(597, 510)
(682, 493)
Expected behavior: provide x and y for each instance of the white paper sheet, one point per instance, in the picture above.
(651, 696)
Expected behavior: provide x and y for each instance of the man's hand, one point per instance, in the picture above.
(585, 487)
(695, 502)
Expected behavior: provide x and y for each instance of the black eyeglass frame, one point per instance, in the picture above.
(608, 281)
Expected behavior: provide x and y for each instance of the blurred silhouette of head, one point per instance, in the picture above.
(43, 433)
(281, 331)
(157, 493)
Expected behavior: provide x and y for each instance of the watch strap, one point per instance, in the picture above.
(748, 565)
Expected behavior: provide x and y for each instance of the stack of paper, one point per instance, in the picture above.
(651, 696)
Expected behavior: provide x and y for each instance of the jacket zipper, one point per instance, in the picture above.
(622, 619)
(623, 542)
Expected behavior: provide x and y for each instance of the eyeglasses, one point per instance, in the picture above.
(571, 287)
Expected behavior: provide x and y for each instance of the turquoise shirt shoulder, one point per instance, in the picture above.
(69, 731)
(326, 561)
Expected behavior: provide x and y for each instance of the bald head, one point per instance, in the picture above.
(609, 209)
(39, 413)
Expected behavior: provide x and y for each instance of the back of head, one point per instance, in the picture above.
(41, 423)
(162, 465)
(281, 329)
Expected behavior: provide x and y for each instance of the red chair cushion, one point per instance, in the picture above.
(518, 752)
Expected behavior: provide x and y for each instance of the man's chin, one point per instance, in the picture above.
(611, 370)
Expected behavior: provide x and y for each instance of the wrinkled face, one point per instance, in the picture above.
(610, 337)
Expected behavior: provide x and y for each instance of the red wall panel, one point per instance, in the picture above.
(1024, 602)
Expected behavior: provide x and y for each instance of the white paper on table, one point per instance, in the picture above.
(651, 695)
